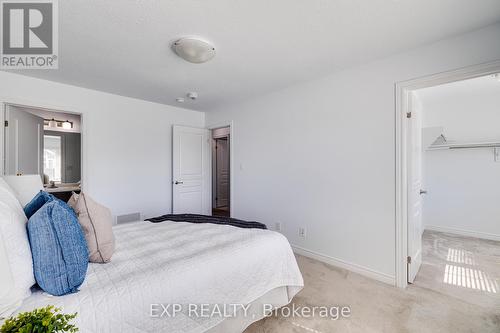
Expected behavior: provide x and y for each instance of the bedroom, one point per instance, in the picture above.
(311, 109)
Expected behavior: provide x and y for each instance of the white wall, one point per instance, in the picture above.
(467, 110)
(322, 154)
(463, 185)
(463, 192)
(127, 142)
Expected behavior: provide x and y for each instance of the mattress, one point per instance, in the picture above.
(193, 265)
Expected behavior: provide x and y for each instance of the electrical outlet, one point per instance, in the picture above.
(302, 232)
(277, 226)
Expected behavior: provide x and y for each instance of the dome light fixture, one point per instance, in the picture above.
(194, 49)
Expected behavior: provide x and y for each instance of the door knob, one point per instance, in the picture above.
(178, 182)
(423, 192)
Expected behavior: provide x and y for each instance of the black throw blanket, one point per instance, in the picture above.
(194, 218)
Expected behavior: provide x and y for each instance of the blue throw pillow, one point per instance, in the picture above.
(40, 199)
(58, 247)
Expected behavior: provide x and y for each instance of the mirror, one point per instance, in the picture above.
(61, 157)
(44, 142)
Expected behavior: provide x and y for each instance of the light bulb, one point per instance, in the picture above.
(67, 125)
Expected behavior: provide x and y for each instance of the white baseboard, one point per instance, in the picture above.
(463, 232)
(382, 277)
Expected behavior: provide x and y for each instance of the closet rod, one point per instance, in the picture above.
(465, 146)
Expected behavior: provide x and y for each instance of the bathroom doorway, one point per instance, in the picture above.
(221, 172)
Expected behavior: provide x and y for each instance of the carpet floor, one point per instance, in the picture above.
(456, 290)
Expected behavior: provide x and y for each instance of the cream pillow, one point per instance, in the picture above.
(24, 187)
(10, 296)
(15, 240)
(96, 222)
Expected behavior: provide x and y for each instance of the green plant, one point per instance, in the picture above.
(43, 320)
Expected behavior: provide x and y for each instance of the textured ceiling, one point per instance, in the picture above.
(123, 46)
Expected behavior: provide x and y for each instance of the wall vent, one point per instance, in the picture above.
(133, 217)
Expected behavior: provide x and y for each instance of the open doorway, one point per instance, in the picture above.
(44, 142)
(221, 170)
(459, 168)
(449, 183)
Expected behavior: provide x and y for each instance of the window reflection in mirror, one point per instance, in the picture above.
(52, 157)
(61, 157)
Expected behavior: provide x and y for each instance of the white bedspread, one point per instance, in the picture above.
(174, 262)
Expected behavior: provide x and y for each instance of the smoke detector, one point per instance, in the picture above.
(192, 95)
(194, 49)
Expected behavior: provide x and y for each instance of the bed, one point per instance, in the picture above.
(181, 263)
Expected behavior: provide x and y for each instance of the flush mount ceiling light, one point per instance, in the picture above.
(194, 49)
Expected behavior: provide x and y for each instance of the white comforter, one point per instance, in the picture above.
(173, 262)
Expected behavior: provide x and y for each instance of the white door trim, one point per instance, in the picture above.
(4, 101)
(229, 124)
(402, 89)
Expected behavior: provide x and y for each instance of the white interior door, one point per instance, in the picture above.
(191, 171)
(415, 228)
(222, 174)
(23, 142)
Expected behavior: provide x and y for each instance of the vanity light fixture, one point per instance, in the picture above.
(194, 49)
(54, 123)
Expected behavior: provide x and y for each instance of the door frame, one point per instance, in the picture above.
(215, 164)
(53, 108)
(402, 91)
(211, 127)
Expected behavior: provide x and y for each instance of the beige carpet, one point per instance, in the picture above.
(462, 298)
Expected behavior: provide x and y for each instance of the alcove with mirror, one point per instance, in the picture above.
(44, 142)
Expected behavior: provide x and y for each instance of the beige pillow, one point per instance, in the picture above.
(73, 200)
(96, 222)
